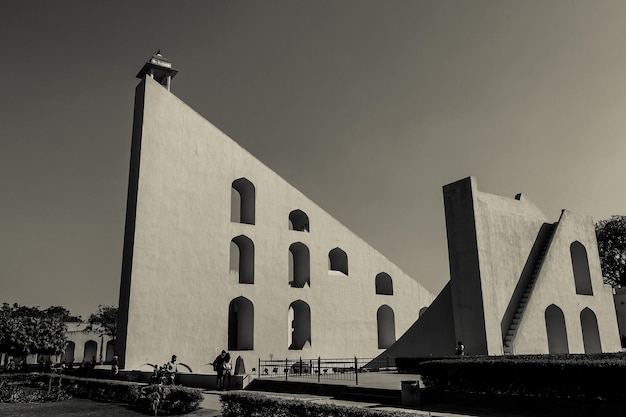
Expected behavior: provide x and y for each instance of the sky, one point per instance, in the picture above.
(367, 107)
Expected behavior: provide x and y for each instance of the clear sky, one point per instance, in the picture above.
(367, 107)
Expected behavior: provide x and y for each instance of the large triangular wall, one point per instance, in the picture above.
(178, 293)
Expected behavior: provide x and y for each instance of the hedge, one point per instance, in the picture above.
(580, 377)
(242, 404)
(171, 399)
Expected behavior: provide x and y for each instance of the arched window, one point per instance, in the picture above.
(242, 201)
(240, 324)
(556, 330)
(110, 351)
(338, 261)
(298, 220)
(591, 333)
(386, 327)
(299, 325)
(91, 350)
(299, 265)
(580, 265)
(242, 258)
(68, 354)
(422, 311)
(384, 284)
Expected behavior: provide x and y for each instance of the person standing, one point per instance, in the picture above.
(91, 366)
(227, 366)
(171, 369)
(115, 367)
(218, 366)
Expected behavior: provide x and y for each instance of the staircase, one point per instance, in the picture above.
(517, 317)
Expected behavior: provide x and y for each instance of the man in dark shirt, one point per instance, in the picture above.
(218, 366)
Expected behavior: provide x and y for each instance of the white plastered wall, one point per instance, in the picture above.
(506, 230)
(555, 285)
(181, 287)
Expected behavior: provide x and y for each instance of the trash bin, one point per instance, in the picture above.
(410, 393)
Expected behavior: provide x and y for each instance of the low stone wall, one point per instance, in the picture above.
(204, 381)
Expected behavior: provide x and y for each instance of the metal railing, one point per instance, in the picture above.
(323, 369)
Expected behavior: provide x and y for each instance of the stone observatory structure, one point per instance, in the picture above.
(220, 252)
(519, 283)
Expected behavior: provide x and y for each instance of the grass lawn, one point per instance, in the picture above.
(74, 407)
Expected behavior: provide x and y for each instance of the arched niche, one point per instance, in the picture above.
(299, 221)
(384, 284)
(580, 266)
(299, 265)
(338, 261)
(590, 330)
(556, 330)
(299, 326)
(386, 326)
(242, 201)
(242, 258)
(240, 324)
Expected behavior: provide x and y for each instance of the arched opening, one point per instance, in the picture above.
(242, 258)
(422, 311)
(299, 265)
(298, 220)
(110, 351)
(338, 261)
(556, 330)
(68, 354)
(91, 351)
(580, 265)
(386, 327)
(242, 201)
(384, 284)
(591, 333)
(299, 325)
(240, 324)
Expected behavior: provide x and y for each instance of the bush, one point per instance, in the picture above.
(171, 399)
(168, 399)
(580, 377)
(237, 404)
(102, 390)
(12, 390)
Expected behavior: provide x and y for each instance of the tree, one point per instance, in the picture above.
(63, 313)
(104, 321)
(611, 235)
(25, 330)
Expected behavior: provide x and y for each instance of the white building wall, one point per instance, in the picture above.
(556, 285)
(181, 287)
(76, 334)
(506, 230)
(508, 233)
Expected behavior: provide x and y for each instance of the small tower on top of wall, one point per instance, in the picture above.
(159, 68)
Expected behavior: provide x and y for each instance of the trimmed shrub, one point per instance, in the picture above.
(580, 377)
(154, 399)
(239, 404)
(168, 399)
(102, 390)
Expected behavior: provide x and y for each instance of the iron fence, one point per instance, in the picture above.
(323, 369)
